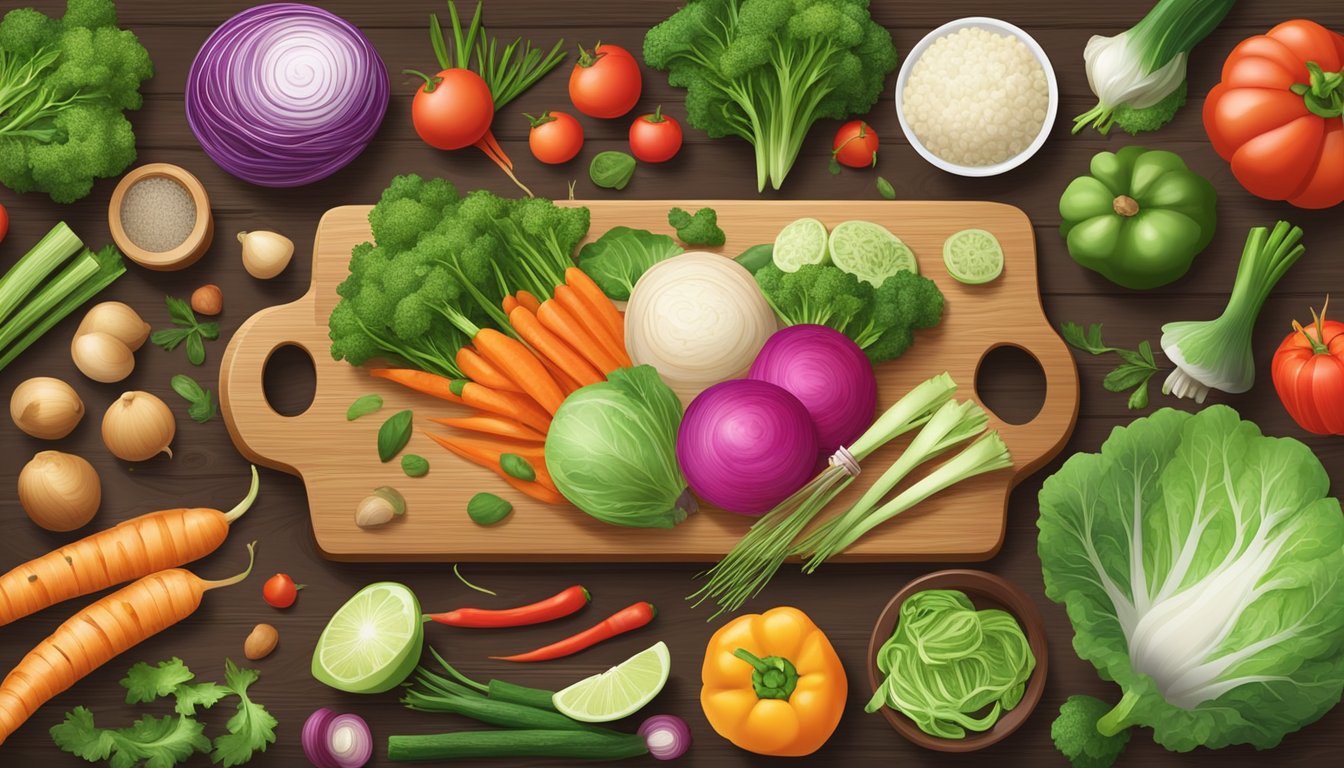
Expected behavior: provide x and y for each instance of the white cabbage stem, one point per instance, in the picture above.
(1116, 75)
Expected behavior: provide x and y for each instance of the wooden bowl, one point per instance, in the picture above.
(985, 591)
(191, 249)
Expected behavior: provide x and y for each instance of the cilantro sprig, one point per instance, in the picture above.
(201, 403)
(186, 329)
(1133, 373)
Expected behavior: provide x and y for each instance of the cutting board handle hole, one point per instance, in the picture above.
(1010, 383)
(289, 380)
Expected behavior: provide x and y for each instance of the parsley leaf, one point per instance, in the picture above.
(203, 695)
(202, 403)
(1134, 372)
(188, 330)
(145, 683)
(180, 311)
(251, 730)
(169, 338)
(157, 742)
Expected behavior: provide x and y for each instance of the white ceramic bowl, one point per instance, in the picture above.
(1001, 27)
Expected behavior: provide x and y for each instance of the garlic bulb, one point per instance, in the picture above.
(59, 491)
(138, 426)
(45, 408)
(102, 356)
(265, 254)
(118, 321)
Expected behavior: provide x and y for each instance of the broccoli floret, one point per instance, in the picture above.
(700, 229)
(1076, 736)
(902, 304)
(766, 70)
(66, 83)
(1132, 120)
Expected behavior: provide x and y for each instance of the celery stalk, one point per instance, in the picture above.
(50, 253)
(79, 282)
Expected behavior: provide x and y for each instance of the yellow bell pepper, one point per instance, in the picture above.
(773, 684)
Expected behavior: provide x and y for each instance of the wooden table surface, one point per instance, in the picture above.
(845, 600)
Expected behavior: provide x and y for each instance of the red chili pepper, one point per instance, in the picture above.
(618, 623)
(557, 606)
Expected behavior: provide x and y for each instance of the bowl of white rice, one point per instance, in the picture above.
(977, 97)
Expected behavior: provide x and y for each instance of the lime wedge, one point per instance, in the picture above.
(870, 251)
(973, 256)
(372, 643)
(801, 242)
(619, 692)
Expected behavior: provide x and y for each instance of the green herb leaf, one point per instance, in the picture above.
(187, 387)
(204, 695)
(144, 683)
(516, 466)
(169, 338)
(488, 509)
(195, 349)
(251, 729)
(1138, 399)
(394, 434)
(885, 189)
(180, 312)
(611, 169)
(157, 742)
(363, 406)
(1125, 377)
(208, 330)
(1137, 368)
(414, 465)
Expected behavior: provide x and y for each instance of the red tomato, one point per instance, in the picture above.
(1308, 373)
(655, 138)
(280, 590)
(855, 145)
(4, 222)
(605, 82)
(1284, 142)
(453, 109)
(555, 137)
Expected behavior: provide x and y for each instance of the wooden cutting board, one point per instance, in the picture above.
(338, 459)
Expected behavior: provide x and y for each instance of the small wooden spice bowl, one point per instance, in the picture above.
(985, 591)
(196, 242)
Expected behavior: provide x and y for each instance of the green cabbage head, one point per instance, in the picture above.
(1201, 565)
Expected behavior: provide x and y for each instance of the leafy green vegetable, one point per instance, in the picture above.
(616, 260)
(437, 252)
(702, 228)
(1076, 736)
(157, 742)
(394, 434)
(766, 70)
(363, 406)
(1202, 565)
(885, 189)
(64, 86)
(144, 683)
(756, 257)
(612, 451)
(186, 329)
(414, 465)
(881, 320)
(611, 169)
(1133, 372)
(201, 403)
(251, 729)
(488, 509)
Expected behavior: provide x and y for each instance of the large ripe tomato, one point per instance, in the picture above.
(655, 138)
(453, 109)
(1276, 114)
(855, 145)
(605, 82)
(1308, 374)
(555, 137)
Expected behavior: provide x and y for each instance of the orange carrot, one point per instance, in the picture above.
(516, 361)
(597, 301)
(566, 382)
(499, 426)
(99, 632)
(478, 452)
(568, 299)
(131, 549)
(544, 494)
(526, 299)
(479, 370)
(430, 384)
(553, 347)
(514, 405)
(563, 324)
(508, 303)
(486, 451)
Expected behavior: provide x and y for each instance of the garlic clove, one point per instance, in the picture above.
(380, 507)
(59, 491)
(46, 408)
(102, 357)
(265, 254)
(138, 426)
(117, 320)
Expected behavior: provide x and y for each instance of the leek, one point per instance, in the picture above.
(1216, 354)
(1138, 76)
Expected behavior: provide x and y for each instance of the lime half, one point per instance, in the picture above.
(801, 242)
(973, 256)
(870, 251)
(619, 692)
(372, 643)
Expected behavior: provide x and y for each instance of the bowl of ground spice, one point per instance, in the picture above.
(160, 217)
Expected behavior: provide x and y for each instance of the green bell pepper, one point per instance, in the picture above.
(1139, 218)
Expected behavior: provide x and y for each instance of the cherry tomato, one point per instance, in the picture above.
(855, 145)
(4, 222)
(1308, 373)
(655, 138)
(280, 590)
(453, 109)
(605, 82)
(555, 137)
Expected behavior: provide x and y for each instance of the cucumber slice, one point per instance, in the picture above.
(870, 251)
(801, 242)
(973, 256)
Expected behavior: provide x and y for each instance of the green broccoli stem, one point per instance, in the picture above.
(1118, 719)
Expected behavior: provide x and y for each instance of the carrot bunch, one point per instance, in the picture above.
(515, 385)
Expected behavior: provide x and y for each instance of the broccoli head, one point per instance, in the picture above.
(1076, 736)
(66, 83)
(700, 229)
(766, 70)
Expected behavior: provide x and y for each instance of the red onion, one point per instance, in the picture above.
(336, 741)
(745, 445)
(666, 736)
(285, 94)
(829, 375)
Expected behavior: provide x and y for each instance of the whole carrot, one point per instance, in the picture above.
(597, 301)
(576, 311)
(424, 382)
(479, 370)
(553, 347)
(489, 424)
(556, 606)
(624, 620)
(100, 632)
(131, 549)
